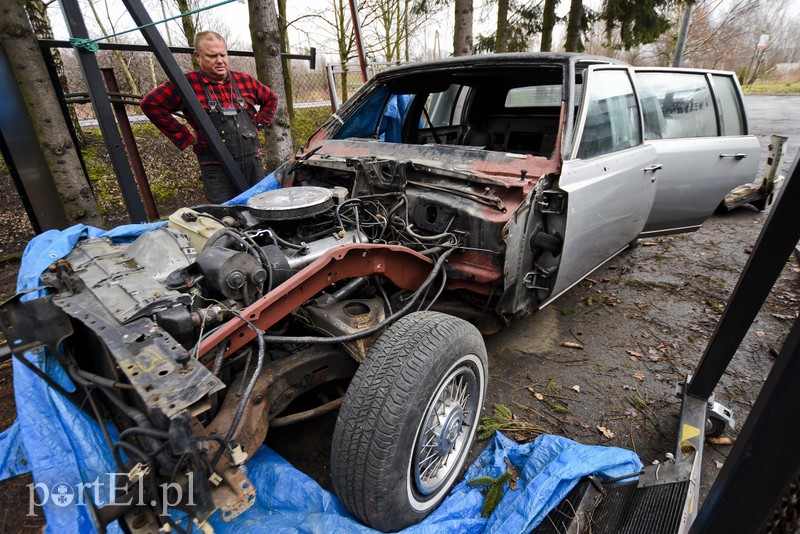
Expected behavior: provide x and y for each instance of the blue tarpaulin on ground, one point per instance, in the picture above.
(64, 448)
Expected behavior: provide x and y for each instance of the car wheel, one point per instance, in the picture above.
(408, 419)
(715, 427)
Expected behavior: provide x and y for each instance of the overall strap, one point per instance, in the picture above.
(239, 98)
(212, 104)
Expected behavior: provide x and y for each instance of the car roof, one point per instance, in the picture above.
(494, 60)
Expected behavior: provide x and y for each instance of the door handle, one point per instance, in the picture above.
(652, 168)
(737, 155)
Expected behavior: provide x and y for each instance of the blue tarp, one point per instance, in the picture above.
(63, 448)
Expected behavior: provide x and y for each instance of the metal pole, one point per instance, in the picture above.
(332, 88)
(141, 17)
(102, 110)
(130, 145)
(776, 242)
(682, 34)
(764, 459)
(362, 59)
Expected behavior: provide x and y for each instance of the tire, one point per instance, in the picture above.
(715, 427)
(425, 368)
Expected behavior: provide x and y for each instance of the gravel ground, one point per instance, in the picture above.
(643, 321)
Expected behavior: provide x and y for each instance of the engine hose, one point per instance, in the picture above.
(262, 350)
(218, 358)
(132, 450)
(282, 242)
(102, 381)
(129, 411)
(249, 391)
(152, 432)
(378, 327)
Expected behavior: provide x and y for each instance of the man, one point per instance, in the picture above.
(229, 98)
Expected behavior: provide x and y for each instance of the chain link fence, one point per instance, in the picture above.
(173, 175)
(138, 72)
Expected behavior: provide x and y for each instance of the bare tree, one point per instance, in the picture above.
(463, 16)
(123, 65)
(575, 25)
(462, 34)
(287, 64)
(548, 23)
(342, 28)
(40, 22)
(189, 29)
(266, 36)
(501, 35)
(19, 42)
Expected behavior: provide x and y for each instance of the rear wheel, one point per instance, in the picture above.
(408, 419)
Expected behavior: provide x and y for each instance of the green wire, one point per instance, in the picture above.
(90, 45)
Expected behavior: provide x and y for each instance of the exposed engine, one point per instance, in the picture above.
(202, 334)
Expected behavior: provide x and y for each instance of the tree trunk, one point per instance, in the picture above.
(462, 34)
(286, 63)
(501, 41)
(345, 94)
(266, 36)
(574, 25)
(37, 15)
(60, 153)
(548, 23)
(406, 28)
(189, 31)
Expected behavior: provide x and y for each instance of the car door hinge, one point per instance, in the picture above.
(551, 202)
(539, 278)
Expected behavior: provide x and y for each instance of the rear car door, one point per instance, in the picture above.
(696, 122)
(609, 177)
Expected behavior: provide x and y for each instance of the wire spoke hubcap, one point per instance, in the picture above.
(442, 440)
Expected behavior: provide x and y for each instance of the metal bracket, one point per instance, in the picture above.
(551, 202)
(715, 410)
(539, 279)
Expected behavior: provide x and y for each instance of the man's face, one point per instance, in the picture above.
(213, 57)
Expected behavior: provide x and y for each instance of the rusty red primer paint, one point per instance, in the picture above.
(477, 266)
(402, 266)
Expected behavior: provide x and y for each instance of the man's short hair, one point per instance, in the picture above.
(207, 36)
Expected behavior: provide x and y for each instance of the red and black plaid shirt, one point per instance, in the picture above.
(160, 103)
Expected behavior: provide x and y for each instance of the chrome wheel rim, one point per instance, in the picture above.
(446, 430)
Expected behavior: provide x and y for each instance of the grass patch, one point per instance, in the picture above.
(637, 402)
(305, 123)
(715, 306)
(502, 419)
(775, 89)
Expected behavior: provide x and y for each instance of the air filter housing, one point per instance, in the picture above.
(291, 203)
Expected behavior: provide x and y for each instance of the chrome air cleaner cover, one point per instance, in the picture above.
(291, 203)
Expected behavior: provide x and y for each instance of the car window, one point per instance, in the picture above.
(684, 102)
(612, 118)
(364, 122)
(440, 108)
(535, 96)
(731, 110)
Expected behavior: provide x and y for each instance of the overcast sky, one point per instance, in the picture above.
(235, 16)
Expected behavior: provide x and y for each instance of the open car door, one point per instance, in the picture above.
(609, 179)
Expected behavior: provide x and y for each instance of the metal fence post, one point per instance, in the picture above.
(130, 145)
(105, 117)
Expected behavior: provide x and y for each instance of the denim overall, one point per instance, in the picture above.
(240, 136)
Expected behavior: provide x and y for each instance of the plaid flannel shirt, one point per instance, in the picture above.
(160, 103)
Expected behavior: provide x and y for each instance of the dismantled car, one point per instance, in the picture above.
(443, 200)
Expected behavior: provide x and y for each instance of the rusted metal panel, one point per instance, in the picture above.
(403, 267)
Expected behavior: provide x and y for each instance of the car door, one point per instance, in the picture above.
(608, 178)
(696, 122)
